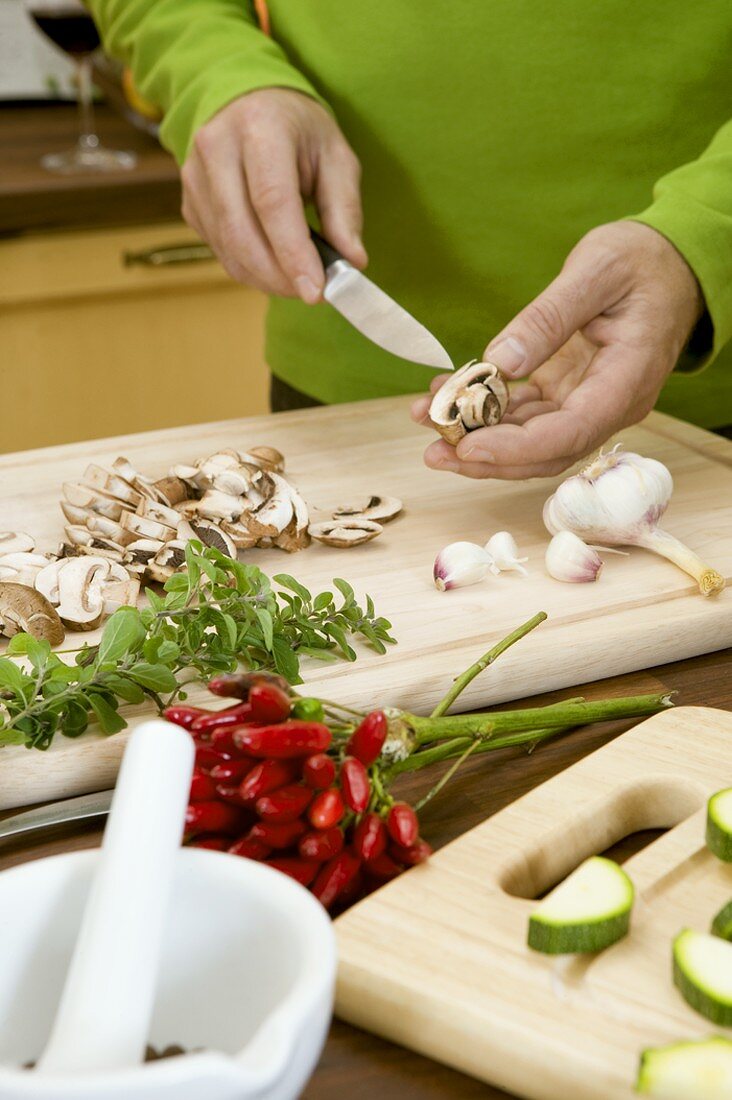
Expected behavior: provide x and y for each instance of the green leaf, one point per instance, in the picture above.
(325, 599)
(289, 582)
(345, 589)
(155, 677)
(286, 662)
(107, 716)
(125, 688)
(122, 635)
(12, 676)
(35, 649)
(265, 621)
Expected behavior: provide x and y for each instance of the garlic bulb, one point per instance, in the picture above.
(568, 558)
(504, 552)
(618, 499)
(459, 564)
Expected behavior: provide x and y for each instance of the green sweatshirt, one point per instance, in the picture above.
(493, 134)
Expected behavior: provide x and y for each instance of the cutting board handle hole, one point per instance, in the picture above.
(619, 824)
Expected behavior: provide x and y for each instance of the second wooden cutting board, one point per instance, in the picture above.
(642, 611)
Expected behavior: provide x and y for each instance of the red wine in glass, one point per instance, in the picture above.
(70, 26)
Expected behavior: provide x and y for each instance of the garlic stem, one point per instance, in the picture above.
(661, 542)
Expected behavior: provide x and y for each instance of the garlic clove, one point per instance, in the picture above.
(568, 558)
(460, 564)
(505, 553)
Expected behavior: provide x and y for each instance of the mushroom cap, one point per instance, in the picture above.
(172, 489)
(345, 533)
(475, 396)
(378, 508)
(211, 534)
(268, 458)
(217, 505)
(22, 608)
(80, 582)
(16, 542)
(271, 518)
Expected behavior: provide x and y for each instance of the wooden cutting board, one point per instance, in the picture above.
(642, 611)
(437, 959)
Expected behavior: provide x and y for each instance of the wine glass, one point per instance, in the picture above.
(70, 26)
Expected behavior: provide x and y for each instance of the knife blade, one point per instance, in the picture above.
(377, 316)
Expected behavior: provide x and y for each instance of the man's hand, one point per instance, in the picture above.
(244, 182)
(598, 345)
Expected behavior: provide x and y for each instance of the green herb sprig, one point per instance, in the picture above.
(214, 615)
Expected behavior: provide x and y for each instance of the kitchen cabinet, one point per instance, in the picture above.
(110, 331)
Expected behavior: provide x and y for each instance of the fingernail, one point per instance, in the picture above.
(509, 355)
(307, 289)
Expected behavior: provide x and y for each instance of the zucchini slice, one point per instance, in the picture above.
(587, 912)
(719, 824)
(722, 923)
(699, 1069)
(703, 974)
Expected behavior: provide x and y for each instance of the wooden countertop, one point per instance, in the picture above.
(33, 199)
(359, 1065)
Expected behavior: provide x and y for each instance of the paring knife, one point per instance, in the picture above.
(57, 813)
(370, 310)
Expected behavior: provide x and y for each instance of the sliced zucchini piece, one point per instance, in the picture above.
(719, 824)
(703, 974)
(699, 1069)
(722, 923)
(587, 912)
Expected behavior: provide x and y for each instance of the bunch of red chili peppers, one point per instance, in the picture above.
(271, 783)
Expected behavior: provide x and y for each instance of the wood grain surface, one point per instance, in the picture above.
(31, 198)
(357, 1064)
(643, 610)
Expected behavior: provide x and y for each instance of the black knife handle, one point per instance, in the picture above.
(327, 253)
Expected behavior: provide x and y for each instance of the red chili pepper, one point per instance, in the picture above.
(285, 741)
(367, 741)
(402, 824)
(269, 703)
(418, 853)
(237, 685)
(183, 716)
(215, 843)
(284, 804)
(250, 848)
(299, 869)
(212, 817)
(319, 771)
(355, 889)
(335, 877)
(222, 740)
(321, 845)
(207, 758)
(232, 771)
(370, 837)
(384, 867)
(326, 809)
(355, 784)
(229, 716)
(203, 788)
(267, 776)
(277, 835)
(230, 793)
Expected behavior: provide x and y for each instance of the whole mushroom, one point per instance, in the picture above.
(475, 396)
(24, 609)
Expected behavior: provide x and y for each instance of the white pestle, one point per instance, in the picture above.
(103, 1018)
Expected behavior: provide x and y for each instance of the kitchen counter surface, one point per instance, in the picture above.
(33, 199)
(359, 1065)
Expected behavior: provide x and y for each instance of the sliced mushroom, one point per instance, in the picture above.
(143, 528)
(475, 396)
(119, 589)
(211, 534)
(172, 489)
(21, 568)
(238, 480)
(239, 534)
(80, 585)
(167, 561)
(380, 509)
(269, 458)
(271, 518)
(82, 496)
(216, 505)
(78, 536)
(46, 581)
(113, 484)
(163, 513)
(15, 542)
(295, 536)
(345, 533)
(109, 529)
(142, 551)
(24, 609)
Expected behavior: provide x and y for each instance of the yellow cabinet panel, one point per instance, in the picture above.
(93, 346)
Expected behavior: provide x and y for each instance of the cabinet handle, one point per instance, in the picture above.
(169, 254)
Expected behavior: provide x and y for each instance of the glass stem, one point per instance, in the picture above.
(87, 137)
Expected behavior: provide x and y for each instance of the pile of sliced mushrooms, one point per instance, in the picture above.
(123, 529)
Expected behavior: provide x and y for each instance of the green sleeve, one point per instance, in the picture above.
(692, 208)
(192, 57)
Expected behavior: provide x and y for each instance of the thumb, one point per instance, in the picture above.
(569, 303)
(338, 198)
